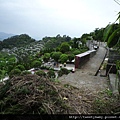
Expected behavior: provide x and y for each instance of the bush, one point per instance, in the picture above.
(36, 63)
(25, 72)
(63, 58)
(63, 71)
(76, 52)
(46, 57)
(51, 74)
(20, 67)
(14, 72)
(71, 57)
(41, 73)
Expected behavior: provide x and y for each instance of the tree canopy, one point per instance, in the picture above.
(65, 47)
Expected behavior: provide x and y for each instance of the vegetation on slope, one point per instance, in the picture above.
(32, 94)
(17, 41)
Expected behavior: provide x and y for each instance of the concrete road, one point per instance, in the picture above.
(85, 77)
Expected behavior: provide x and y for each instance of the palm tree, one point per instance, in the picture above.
(117, 1)
(112, 36)
(118, 17)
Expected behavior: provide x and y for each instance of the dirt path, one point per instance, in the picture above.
(85, 77)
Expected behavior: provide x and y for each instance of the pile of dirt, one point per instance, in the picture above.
(32, 94)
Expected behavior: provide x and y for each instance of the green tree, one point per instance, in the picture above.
(65, 47)
(98, 34)
(83, 41)
(46, 57)
(71, 57)
(24, 59)
(11, 63)
(112, 35)
(54, 42)
(36, 64)
(85, 35)
(56, 56)
(76, 42)
(76, 52)
(2, 63)
(20, 67)
(114, 39)
(63, 58)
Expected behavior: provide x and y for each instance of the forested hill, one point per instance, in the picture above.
(53, 42)
(16, 41)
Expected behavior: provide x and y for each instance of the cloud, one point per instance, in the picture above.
(41, 18)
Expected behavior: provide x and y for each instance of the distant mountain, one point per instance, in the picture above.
(16, 41)
(5, 35)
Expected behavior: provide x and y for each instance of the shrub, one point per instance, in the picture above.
(51, 74)
(63, 71)
(25, 72)
(14, 72)
(41, 73)
(71, 57)
(63, 58)
(36, 63)
(20, 67)
(77, 51)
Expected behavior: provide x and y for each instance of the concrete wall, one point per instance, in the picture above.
(111, 68)
(82, 58)
(80, 61)
(112, 58)
(92, 52)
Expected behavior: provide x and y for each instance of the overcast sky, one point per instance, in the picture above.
(40, 18)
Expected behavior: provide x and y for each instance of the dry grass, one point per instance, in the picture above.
(32, 94)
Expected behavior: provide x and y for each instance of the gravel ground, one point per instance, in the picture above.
(85, 77)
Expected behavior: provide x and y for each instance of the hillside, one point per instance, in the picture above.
(16, 41)
(32, 94)
(41, 94)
